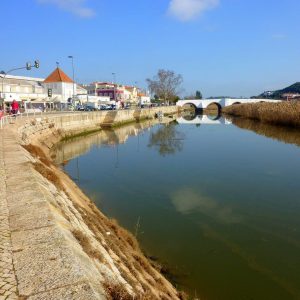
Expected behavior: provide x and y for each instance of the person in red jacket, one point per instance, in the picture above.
(14, 107)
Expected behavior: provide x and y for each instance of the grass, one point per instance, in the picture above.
(286, 113)
(43, 166)
(117, 292)
(37, 152)
(49, 174)
(86, 245)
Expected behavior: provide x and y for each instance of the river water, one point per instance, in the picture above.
(218, 203)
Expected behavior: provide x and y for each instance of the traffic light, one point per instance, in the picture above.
(36, 64)
(49, 93)
(28, 66)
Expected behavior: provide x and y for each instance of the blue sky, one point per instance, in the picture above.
(221, 47)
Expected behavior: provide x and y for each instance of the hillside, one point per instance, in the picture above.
(292, 89)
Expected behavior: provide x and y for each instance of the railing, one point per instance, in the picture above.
(10, 119)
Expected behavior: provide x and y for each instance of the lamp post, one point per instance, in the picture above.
(72, 57)
(114, 82)
(4, 74)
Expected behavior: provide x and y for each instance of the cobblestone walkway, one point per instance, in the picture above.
(8, 284)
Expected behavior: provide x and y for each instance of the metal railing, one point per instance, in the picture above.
(10, 119)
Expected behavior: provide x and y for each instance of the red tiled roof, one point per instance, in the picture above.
(58, 75)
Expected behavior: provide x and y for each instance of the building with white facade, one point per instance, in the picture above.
(61, 86)
(33, 92)
(117, 92)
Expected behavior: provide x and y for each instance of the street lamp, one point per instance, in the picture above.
(72, 57)
(114, 82)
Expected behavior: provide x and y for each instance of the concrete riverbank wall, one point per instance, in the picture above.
(56, 243)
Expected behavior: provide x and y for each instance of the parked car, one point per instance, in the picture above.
(110, 107)
(90, 108)
(103, 107)
(80, 107)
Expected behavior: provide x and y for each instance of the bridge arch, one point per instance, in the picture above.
(190, 117)
(189, 104)
(214, 117)
(214, 106)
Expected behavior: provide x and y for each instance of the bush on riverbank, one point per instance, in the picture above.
(285, 113)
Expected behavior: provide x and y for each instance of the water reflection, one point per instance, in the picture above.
(188, 200)
(70, 149)
(281, 133)
(167, 139)
(210, 119)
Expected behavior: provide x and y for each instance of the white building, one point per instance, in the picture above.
(20, 88)
(60, 85)
(32, 92)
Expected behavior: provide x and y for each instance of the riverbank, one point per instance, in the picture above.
(61, 245)
(286, 113)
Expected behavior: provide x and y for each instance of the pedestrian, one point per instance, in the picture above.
(1, 111)
(14, 107)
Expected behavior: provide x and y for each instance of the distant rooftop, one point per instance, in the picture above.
(58, 75)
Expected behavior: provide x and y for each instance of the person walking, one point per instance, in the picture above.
(1, 111)
(14, 107)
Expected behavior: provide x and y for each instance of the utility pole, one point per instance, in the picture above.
(114, 82)
(72, 57)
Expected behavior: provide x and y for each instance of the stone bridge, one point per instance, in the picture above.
(203, 120)
(220, 103)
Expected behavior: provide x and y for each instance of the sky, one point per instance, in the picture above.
(220, 47)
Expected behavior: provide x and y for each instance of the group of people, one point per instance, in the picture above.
(13, 109)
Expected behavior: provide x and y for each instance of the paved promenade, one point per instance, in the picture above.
(8, 283)
(36, 261)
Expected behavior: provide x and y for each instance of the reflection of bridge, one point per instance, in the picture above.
(223, 102)
(203, 119)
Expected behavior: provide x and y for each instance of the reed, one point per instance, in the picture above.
(285, 113)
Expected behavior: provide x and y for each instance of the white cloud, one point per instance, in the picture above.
(76, 7)
(278, 36)
(188, 200)
(186, 10)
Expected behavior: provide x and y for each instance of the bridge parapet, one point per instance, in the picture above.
(222, 102)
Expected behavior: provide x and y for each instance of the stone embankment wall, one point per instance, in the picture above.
(79, 122)
(59, 245)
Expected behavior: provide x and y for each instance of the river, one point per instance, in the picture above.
(217, 201)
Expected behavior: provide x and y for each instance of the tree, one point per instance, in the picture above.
(167, 140)
(198, 95)
(166, 85)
